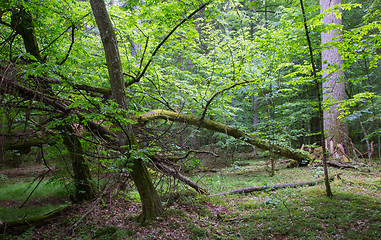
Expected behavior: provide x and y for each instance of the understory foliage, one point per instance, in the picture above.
(298, 213)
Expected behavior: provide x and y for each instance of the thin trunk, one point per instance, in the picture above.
(366, 140)
(316, 82)
(379, 148)
(151, 204)
(255, 112)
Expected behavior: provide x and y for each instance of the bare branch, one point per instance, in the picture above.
(140, 75)
(218, 93)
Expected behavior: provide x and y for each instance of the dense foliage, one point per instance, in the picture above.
(242, 63)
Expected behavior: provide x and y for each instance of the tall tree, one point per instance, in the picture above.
(151, 204)
(22, 23)
(317, 87)
(333, 75)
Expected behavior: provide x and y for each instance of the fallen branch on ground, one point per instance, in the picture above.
(273, 187)
(339, 164)
(172, 172)
(21, 225)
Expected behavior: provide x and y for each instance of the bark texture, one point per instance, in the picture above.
(333, 76)
(22, 23)
(84, 188)
(151, 204)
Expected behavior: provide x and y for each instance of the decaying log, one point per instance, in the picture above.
(299, 155)
(272, 187)
(21, 225)
(339, 164)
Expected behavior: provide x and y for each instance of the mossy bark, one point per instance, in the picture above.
(22, 23)
(23, 224)
(151, 203)
(84, 188)
(299, 155)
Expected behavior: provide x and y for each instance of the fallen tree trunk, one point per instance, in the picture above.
(21, 225)
(300, 156)
(272, 187)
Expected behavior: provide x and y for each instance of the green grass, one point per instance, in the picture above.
(354, 212)
(341, 217)
(15, 194)
(21, 190)
(297, 213)
(14, 213)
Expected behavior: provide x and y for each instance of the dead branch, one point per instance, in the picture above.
(273, 187)
(176, 174)
(339, 164)
(176, 159)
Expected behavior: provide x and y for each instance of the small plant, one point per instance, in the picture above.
(197, 232)
(317, 172)
(105, 233)
(3, 177)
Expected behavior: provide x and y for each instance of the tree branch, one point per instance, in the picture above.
(140, 75)
(171, 172)
(218, 93)
(299, 155)
(71, 45)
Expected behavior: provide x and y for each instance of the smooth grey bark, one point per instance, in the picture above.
(151, 204)
(333, 77)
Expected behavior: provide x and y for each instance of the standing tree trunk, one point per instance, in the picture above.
(22, 23)
(84, 187)
(317, 87)
(333, 80)
(151, 204)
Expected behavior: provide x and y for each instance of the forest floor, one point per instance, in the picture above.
(354, 212)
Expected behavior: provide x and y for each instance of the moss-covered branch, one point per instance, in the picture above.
(296, 154)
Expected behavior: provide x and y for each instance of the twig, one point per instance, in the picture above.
(219, 92)
(38, 184)
(141, 74)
